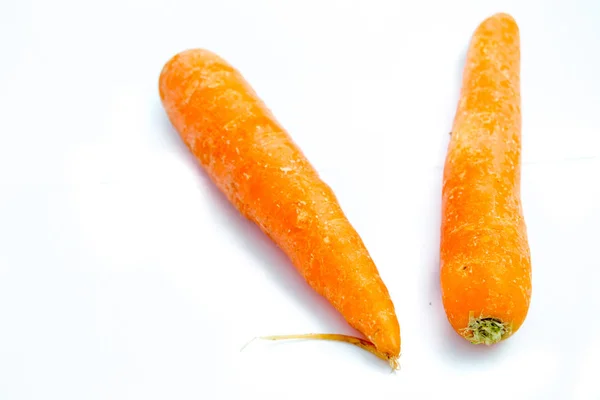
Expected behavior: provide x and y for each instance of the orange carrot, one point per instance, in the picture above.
(485, 259)
(255, 163)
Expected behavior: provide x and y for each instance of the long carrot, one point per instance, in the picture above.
(255, 163)
(485, 257)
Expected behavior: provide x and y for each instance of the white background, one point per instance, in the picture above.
(124, 274)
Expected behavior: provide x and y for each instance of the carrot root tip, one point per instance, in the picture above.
(358, 342)
(486, 331)
(248, 342)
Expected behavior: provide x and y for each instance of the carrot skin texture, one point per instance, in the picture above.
(263, 173)
(484, 252)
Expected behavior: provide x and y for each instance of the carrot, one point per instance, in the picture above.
(484, 253)
(254, 162)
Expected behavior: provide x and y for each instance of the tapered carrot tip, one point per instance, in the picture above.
(393, 361)
(255, 163)
(484, 252)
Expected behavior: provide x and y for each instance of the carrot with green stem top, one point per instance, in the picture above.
(263, 173)
(484, 252)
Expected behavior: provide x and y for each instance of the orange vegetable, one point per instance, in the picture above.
(485, 258)
(255, 163)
